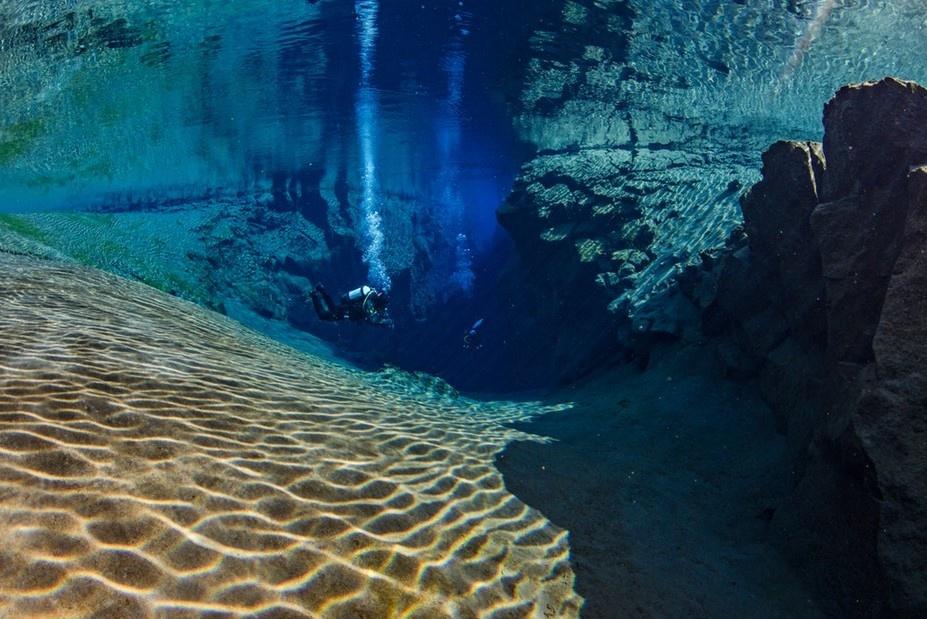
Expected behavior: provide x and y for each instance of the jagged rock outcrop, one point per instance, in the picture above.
(825, 301)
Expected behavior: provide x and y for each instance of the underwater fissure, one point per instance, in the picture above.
(584, 200)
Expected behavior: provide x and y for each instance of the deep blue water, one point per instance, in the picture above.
(397, 99)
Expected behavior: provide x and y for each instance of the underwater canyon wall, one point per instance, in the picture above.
(823, 301)
(637, 177)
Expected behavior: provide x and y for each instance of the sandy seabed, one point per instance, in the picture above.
(157, 459)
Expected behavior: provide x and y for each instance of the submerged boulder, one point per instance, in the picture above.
(871, 234)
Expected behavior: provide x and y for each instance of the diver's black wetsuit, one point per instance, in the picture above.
(357, 305)
(324, 305)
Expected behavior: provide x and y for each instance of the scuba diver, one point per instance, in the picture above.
(361, 304)
(473, 338)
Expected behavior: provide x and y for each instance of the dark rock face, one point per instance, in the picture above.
(892, 414)
(561, 259)
(872, 138)
(825, 301)
(777, 213)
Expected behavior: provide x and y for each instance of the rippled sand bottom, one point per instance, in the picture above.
(158, 459)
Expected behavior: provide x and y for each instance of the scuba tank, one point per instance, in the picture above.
(359, 293)
(363, 297)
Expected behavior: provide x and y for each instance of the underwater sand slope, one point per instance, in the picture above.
(159, 459)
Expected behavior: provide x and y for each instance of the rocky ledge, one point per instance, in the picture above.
(823, 297)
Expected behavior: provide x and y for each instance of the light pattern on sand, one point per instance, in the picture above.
(158, 459)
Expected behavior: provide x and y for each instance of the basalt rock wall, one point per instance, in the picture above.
(824, 300)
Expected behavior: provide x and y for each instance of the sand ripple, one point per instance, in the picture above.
(159, 460)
